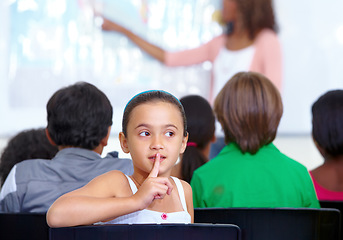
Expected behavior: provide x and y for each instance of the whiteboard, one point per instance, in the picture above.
(46, 45)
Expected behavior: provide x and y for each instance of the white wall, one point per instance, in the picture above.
(40, 55)
(311, 33)
(300, 148)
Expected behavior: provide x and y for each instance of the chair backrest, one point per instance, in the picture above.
(276, 223)
(14, 226)
(148, 231)
(334, 204)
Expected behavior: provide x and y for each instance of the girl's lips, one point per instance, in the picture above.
(152, 158)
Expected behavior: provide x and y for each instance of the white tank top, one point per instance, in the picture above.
(146, 216)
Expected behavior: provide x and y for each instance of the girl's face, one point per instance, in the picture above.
(154, 127)
(229, 10)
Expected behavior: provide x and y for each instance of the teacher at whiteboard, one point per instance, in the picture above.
(249, 43)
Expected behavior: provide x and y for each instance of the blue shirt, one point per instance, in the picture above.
(33, 185)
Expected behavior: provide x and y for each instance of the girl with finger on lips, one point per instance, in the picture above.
(154, 133)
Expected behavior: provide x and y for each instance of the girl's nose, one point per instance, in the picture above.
(156, 143)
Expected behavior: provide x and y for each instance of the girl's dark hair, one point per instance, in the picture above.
(249, 108)
(28, 144)
(327, 119)
(201, 128)
(152, 96)
(257, 15)
(79, 116)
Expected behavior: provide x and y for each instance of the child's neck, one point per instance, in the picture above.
(137, 182)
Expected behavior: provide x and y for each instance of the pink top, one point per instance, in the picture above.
(324, 194)
(266, 58)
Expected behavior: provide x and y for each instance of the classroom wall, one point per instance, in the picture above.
(300, 148)
(45, 45)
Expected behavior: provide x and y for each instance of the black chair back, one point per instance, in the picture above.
(276, 223)
(18, 226)
(148, 231)
(334, 204)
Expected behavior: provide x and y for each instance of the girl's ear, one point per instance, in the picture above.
(123, 143)
(184, 144)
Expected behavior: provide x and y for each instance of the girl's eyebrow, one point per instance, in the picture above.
(142, 125)
(149, 126)
(171, 125)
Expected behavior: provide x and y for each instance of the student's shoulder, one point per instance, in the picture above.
(114, 175)
(114, 180)
(32, 167)
(187, 189)
(32, 162)
(186, 186)
(109, 179)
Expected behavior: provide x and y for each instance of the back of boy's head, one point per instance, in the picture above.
(327, 119)
(201, 128)
(79, 116)
(249, 108)
(149, 97)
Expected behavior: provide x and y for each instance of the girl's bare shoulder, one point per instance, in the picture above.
(186, 187)
(189, 198)
(112, 183)
(110, 177)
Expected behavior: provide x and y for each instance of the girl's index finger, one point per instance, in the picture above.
(156, 168)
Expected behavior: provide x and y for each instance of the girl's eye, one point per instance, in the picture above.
(169, 134)
(144, 134)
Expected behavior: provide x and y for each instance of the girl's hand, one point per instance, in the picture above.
(154, 187)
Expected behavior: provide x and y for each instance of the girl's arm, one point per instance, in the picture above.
(92, 203)
(189, 199)
(104, 198)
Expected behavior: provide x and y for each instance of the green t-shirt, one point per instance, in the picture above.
(265, 179)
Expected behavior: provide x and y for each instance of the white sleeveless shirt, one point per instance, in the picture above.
(146, 216)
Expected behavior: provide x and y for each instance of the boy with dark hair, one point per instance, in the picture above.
(79, 123)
